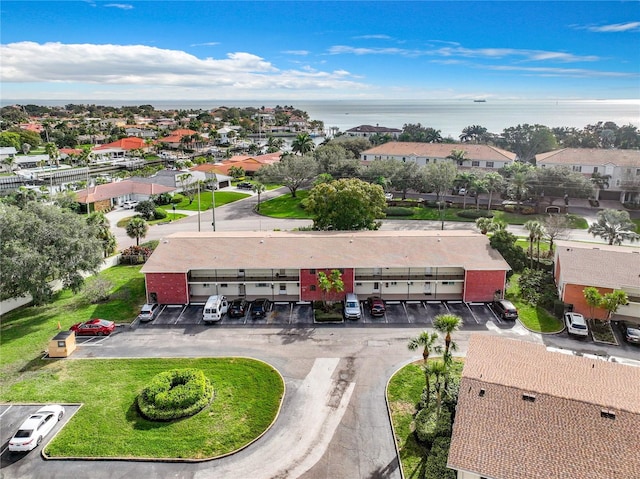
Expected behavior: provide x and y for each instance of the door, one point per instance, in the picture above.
(376, 287)
(427, 288)
(241, 290)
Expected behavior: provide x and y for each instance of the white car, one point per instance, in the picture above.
(35, 428)
(388, 196)
(576, 324)
(129, 205)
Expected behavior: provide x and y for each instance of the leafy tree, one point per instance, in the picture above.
(536, 233)
(329, 283)
(291, 171)
(258, 188)
(346, 204)
(53, 153)
(146, 209)
(477, 187)
(555, 226)
(473, 133)
(10, 139)
(354, 145)
(437, 178)
(186, 182)
(593, 298)
(551, 184)
(418, 133)
(614, 226)
(537, 287)
(236, 172)
(137, 228)
(9, 162)
(487, 225)
(447, 324)
(42, 243)
(505, 243)
(526, 141)
(600, 181)
(302, 144)
(612, 302)
(405, 177)
(274, 144)
(464, 180)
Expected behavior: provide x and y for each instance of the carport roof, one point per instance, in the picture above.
(183, 252)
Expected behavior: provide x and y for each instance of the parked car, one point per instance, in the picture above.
(631, 332)
(462, 191)
(35, 428)
(388, 196)
(576, 324)
(245, 185)
(149, 311)
(129, 205)
(260, 308)
(505, 309)
(94, 327)
(237, 308)
(376, 306)
(351, 307)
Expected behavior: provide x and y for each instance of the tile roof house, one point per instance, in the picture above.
(366, 131)
(104, 197)
(439, 265)
(580, 265)
(250, 164)
(120, 148)
(477, 156)
(623, 166)
(176, 136)
(526, 412)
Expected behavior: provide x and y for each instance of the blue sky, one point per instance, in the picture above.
(304, 50)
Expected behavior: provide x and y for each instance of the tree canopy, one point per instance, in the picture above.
(294, 172)
(346, 204)
(614, 226)
(42, 243)
(527, 141)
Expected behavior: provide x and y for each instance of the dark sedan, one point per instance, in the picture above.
(631, 332)
(237, 308)
(260, 308)
(94, 327)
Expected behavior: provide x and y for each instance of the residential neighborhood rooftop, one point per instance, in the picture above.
(440, 150)
(524, 411)
(590, 156)
(182, 252)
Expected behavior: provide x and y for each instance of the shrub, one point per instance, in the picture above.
(436, 464)
(150, 245)
(431, 422)
(146, 209)
(175, 394)
(399, 211)
(159, 214)
(475, 214)
(161, 199)
(177, 199)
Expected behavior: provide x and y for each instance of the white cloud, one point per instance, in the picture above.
(373, 37)
(205, 44)
(562, 72)
(29, 62)
(296, 52)
(614, 27)
(121, 6)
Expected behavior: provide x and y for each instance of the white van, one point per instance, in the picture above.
(351, 307)
(215, 307)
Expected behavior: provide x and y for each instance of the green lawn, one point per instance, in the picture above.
(285, 206)
(222, 198)
(170, 217)
(533, 317)
(25, 333)
(247, 397)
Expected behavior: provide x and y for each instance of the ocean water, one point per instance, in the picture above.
(448, 116)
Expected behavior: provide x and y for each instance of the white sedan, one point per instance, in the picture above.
(35, 428)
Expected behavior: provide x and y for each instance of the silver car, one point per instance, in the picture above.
(149, 311)
(576, 324)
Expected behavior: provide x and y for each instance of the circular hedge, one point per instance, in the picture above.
(175, 394)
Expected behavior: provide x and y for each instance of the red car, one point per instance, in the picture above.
(94, 327)
(376, 306)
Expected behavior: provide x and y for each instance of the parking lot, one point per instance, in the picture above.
(398, 313)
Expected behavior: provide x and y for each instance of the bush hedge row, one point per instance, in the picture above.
(175, 394)
(475, 214)
(399, 211)
(432, 422)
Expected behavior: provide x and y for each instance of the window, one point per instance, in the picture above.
(262, 285)
(224, 285)
(283, 287)
(312, 287)
(595, 169)
(312, 271)
(489, 164)
(475, 163)
(447, 283)
(607, 414)
(61, 344)
(577, 168)
(528, 397)
(637, 171)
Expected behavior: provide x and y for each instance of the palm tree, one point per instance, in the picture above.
(494, 182)
(274, 144)
(486, 225)
(258, 188)
(302, 144)
(54, 154)
(427, 341)
(464, 180)
(9, 161)
(440, 369)
(477, 187)
(137, 228)
(473, 133)
(518, 187)
(447, 324)
(615, 226)
(536, 232)
(103, 232)
(600, 181)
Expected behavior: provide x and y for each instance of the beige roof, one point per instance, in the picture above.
(590, 156)
(182, 252)
(561, 433)
(120, 188)
(584, 264)
(440, 150)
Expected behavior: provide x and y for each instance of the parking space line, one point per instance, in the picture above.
(472, 313)
(10, 406)
(404, 306)
(181, 313)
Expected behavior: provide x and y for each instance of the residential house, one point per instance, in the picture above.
(121, 148)
(483, 157)
(607, 268)
(250, 164)
(623, 167)
(170, 178)
(175, 139)
(367, 131)
(105, 197)
(526, 412)
(439, 265)
(7, 152)
(144, 133)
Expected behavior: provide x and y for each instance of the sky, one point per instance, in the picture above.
(307, 50)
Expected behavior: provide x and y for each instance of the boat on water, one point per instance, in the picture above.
(480, 101)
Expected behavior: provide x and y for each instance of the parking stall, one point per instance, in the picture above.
(417, 313)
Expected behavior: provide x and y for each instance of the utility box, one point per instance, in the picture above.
(62, 345)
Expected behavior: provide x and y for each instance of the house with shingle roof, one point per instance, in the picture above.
(623, 167)
(105, 197)
(439, 265)
(366, 131)
(605, 267)
(476, 156)
(526, 412)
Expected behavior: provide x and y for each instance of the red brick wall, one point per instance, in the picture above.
(573, 294)
(481, 285)
(308, 279)
(170, 288)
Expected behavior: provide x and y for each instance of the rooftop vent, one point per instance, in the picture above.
(607, 414)
(528, 397)
(481, 392)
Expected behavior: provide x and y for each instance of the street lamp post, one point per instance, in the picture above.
(214, 187)
(173, 206)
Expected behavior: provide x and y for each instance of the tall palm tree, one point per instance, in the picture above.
(439, 369)
(518, 187)
(103, 232)
(447, 324)
(464, 180)
(536, 230)
(137, 228)
(600, 181)
(258, 188)
(494, 182)
(302, 144)
(473, 133)
(54, 154)
(477, 187)
(427, 341)
(615, 226)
